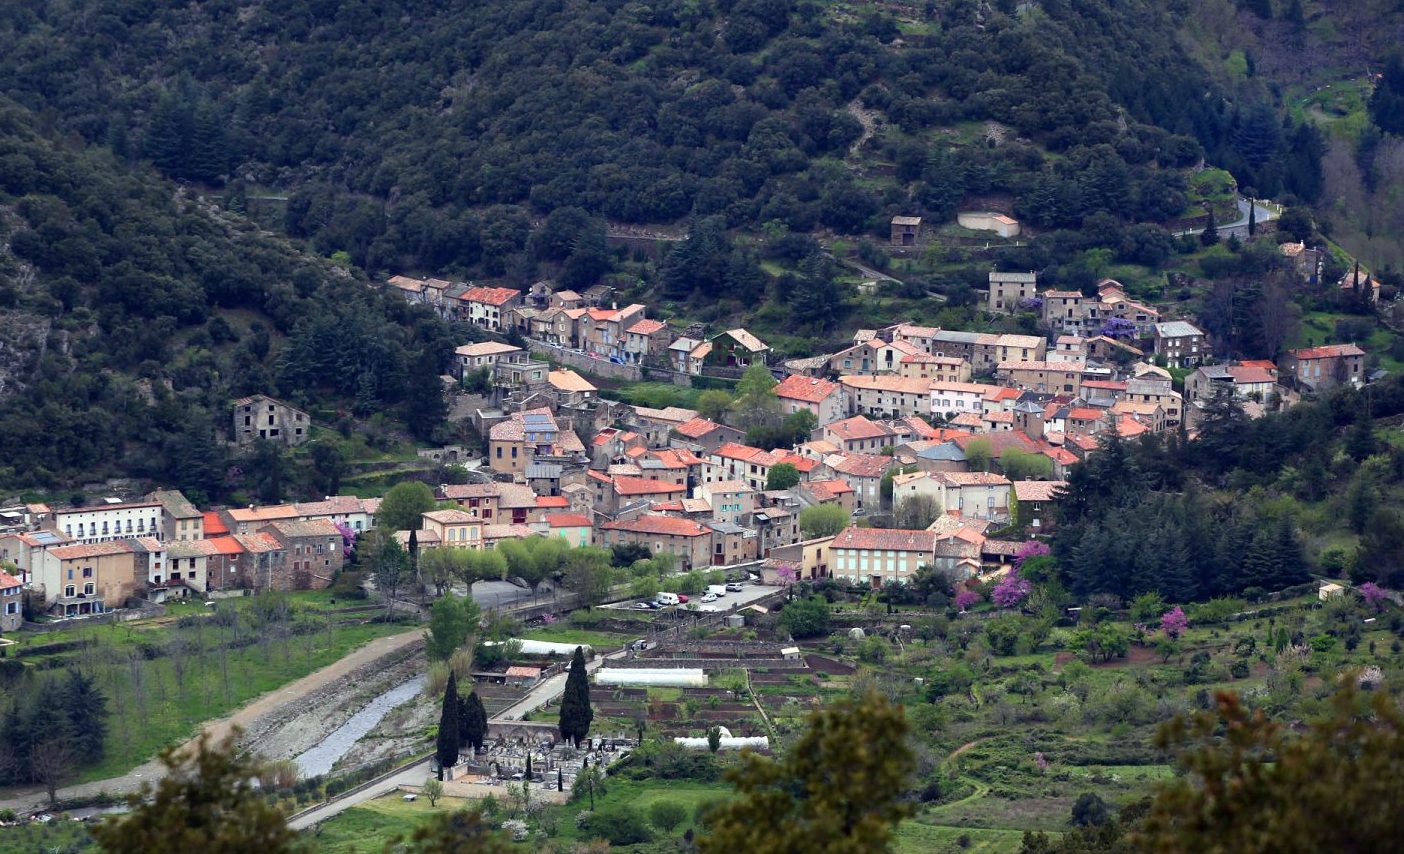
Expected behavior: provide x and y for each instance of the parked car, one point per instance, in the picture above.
(682, 598)
(644, 606)
(733, 587)
(710, 597)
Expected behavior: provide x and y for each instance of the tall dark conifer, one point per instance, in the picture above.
(446, 748)
(576, 713)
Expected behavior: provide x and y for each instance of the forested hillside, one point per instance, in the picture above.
(133, 312)
(1320, 62)
(426, 135)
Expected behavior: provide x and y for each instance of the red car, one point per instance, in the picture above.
(682, 599)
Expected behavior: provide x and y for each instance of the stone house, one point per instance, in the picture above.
(262, 417)
(1006, 289)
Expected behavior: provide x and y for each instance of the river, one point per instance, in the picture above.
(320, 759)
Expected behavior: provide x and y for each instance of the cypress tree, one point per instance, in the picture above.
(472, 721)
(1210, 235)
(576, 713)
(446, 748)
(480, 713)
(1252, 218)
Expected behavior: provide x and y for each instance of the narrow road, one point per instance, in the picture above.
(1240, 225)
(414, 775)
(25, 801)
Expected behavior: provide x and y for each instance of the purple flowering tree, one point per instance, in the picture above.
(966, 598)
(786, 574)
(1033, 548)
(1373, 595)
(1012, 590)
(1119, 328)
(348, 539)
(1031, 303)
(1174, 622)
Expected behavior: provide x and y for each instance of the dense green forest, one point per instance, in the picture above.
(431, 136)
(135, 311)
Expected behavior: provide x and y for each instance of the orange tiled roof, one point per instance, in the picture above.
(490, 296)
(886, 539)
(625, 485)
(671, 526)
(807, 389)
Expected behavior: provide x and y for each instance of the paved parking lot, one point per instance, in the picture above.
(748, 594)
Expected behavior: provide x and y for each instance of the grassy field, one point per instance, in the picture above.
(162, 681)
(566, 634)
(58, 836)
(366, 829)
(916, 837)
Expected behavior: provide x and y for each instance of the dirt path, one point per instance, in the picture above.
(244, 717)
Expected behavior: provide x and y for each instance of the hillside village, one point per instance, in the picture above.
(963, 437)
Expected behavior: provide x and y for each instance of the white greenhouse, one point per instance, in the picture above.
(669, 677)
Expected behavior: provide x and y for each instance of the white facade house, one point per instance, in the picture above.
(105, 522)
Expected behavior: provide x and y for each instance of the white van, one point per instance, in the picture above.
(667, 599)
(718, 589)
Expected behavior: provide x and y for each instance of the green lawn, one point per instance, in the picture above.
(566, 634)
(368, 827)
(914, 837)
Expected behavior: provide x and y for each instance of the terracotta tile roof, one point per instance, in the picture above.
(803, 464)
(1061, 456)
(1250, 374)
(647, 327)
(677, 458)
(901, 385)
(861, 465)
(1001, 416)
(507, 532)
(450, 517)
(191, 548)
(1266, 364)
(456, 491)
(522, 671)
(696, 428)
(568, 520)
(310, 528)
(567, 380)
(673, 414)
(226, 546)
(263, 514)
(8, 581)
(1042, 365)
(625, 485)
(490, 296)
(515, 495)
(701, 351)
(856, 428)
(1328, 351)
(336, 505)
(1085, 414)
(1038, 490)
(486, 348)
(737, 451)
(1129, 428)
(746, 339)
(969, 419)
(214, 526)
(670, 526)
(544, 501)
(885, 539)
(87, 550)
(807, 389)
(912, 331)
(828, 488)
(728, 486)
(970, 478)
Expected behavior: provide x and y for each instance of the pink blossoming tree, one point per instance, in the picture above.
(1174, 622)
(1011, 591)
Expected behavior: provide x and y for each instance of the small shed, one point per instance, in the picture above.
(790, 653)
(906, 230)
(1329, 591)
(523, 676)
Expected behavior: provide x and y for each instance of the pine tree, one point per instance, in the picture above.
(576, 713)
(86, 708)
(447, 745)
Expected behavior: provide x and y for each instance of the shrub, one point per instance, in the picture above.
(806, 618)
(621, 825)
(1090, 811)
(667, 815)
